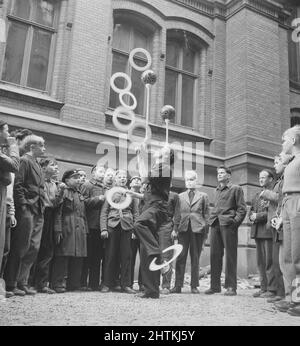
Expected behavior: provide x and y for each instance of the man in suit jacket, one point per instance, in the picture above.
(191, 229)
(261, 231)
(228, 213)
(29, 197)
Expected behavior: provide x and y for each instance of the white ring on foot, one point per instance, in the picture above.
(134, 65)
(177, 250)
(122, 205)
(120, 75)
(125, 111)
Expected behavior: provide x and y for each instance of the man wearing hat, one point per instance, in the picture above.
(70, 232)
(9, 163)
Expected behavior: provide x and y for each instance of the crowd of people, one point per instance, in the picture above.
(58, 236)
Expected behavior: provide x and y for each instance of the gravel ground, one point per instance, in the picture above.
(117, 309)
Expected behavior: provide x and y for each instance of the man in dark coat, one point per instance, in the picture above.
(192, 228)
(261, 231)
(90, 279)
(117, 226)
(228, 213)
(70, 231)
(153, 215)
(29, 201)
(9, 163)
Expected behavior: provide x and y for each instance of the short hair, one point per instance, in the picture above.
(110, 170)
(295, 130)
(20, 134)
(44, 162)
(31, 140)
(226, 169)
(2, 124)
(270, 173)
(121, 171)
(191, 172)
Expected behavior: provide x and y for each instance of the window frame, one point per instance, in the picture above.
(294, 60)
(180, 73)
(129, 68)
(28, 45)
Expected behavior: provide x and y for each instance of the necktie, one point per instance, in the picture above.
(191, 195)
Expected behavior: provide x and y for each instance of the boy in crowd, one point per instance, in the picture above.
(83, 177)
(191, 228)
(261, 231)
(70, 231)
(29, 198)
(117, 226)
(291, 217)
(135, 186)
(53, 196)
(90, 279)
(275, 197)
(228, 213)
(9, 163)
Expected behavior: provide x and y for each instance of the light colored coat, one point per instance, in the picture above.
(196, 212)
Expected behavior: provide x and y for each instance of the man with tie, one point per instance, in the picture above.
(228, 213)
(191, 227)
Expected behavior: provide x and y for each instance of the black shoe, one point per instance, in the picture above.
(195, 290)
(230, 292)
(142, 288)
(16, 292)
(128, 290)
(150, 295)
(212, 291)
(60, 290)
(105, 289)
(284, 306)
(117, 288)
(28, 291)
(295, 311)
(9, 294)
(46, 290)
(175, 289)
(258, 293)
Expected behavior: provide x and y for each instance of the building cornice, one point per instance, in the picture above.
(218, 9)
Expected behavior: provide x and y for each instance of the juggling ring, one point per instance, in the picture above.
(123, 110)
(139, 124)
(134, 65)
(121, 95)
(177, 251)
(122, 205)
(120, 75)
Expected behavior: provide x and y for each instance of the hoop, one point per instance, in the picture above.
(139, 124)
(177, 250)
(120, 75)
(134, 65)
(121, 95)
(119, 206)
(123, 110)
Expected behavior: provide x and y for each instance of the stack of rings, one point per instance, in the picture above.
(127, 110)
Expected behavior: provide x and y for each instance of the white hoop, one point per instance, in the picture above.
(121, 95)
(177, 251)
(139, 124)
(120, 75)
(134, 65)
(122, 205)
(296, 291)
(125, 111)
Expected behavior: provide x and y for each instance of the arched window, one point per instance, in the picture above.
(295, 117)
(128, 34)
(294, 52)
(182, 71)
(29, 49)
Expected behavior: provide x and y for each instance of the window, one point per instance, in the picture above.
(294, 52)
(181, 75)
(125, 38)
(295, 117)
(30, 41)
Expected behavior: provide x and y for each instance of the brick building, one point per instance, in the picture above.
(229, 67)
